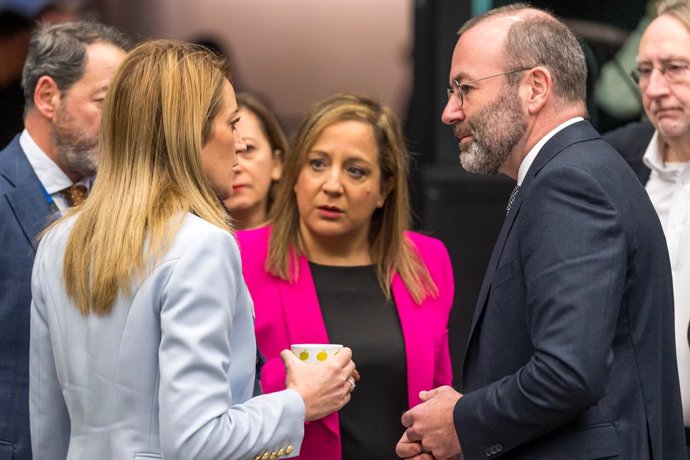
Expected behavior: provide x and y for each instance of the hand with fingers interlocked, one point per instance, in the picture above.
(430, 433)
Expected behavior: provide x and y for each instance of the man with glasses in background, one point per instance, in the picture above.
(663, 162)
(571, 352)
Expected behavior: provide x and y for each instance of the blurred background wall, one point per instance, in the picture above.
(296, 52)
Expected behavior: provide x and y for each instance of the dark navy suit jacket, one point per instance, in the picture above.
(571, 352)
(24, 211)
(632, 141)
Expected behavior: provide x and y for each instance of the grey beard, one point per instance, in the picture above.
(82, 162)
(77, 152)
(480, 160)
(496, 129)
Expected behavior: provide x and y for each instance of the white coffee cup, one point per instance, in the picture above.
(315, 352)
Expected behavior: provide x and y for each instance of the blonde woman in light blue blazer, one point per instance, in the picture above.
(142, 342)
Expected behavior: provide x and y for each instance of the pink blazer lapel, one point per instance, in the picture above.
(304, 319)
(419, 344)
(302, 311)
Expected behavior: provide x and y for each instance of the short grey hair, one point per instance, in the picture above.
(59, 51)
(542, 40)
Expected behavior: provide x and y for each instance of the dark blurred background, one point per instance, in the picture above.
(295, 53)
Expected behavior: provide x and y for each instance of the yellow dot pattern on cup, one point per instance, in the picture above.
(304, 355)
(322, 355)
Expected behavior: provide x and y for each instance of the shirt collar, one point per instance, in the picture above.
(654, 160)
(49, 173)
(527, 161)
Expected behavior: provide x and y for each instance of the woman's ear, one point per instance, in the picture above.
(386, 189)
(47, 97)
(277, 164)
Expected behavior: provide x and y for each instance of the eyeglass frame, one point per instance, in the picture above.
(456, 87)
(665, 67)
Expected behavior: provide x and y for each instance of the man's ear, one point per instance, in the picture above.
(540, 88)
(47, 96)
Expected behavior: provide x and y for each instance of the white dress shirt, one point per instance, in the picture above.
(527, 161)
(669, 190)
(51, 176)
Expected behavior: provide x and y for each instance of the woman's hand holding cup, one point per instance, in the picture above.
(325, 383)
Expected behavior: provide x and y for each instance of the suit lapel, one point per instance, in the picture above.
(496, 256)
(27, 199)
(302, 311)
(577, 132)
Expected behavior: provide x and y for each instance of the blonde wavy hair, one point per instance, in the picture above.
(156, 118)
(390, 251)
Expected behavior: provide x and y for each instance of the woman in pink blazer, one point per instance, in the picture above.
(338, 266)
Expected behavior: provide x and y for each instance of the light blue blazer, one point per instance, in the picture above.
(168, 373)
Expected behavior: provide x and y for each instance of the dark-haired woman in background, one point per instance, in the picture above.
(259, 167)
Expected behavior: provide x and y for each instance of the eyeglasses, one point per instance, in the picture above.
(460, 90)
(673, 72)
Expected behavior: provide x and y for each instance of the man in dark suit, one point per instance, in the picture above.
(632, 141)
(571, 351)
(659, 152)
(44, 170)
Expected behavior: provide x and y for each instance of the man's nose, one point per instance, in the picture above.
(452, 112)
(657, 84)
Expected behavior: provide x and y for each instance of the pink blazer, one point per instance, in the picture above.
(290, 313)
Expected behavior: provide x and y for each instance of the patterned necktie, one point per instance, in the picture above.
(512, 198)
(75, 194)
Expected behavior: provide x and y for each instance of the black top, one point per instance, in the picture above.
(357, 315)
